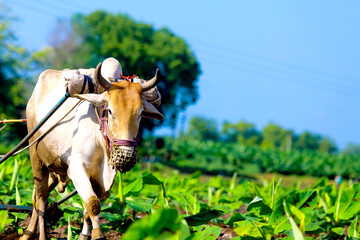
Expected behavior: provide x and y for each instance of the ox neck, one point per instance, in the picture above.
(109, 139)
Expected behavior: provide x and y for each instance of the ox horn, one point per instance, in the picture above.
(151, 83)
(100, 79)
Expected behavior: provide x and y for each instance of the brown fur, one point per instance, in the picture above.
(126, 97)
(93, 206)
(87, 218)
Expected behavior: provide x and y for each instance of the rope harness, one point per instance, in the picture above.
(89, 81)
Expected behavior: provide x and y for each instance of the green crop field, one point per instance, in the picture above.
(154, 201)
(230, 157)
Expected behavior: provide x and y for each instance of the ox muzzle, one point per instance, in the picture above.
(122, 159)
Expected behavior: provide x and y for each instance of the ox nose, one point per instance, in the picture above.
(123, 158)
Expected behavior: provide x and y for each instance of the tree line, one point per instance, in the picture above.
(271, 136)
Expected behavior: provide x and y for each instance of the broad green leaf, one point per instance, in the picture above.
(3, 220)
(111, 217)
(304, 200)
(140, 204)
(347, 204)
(296, 219)
(354, 229)
(149, 178)
(155, 226)
(134, 187)
(338, 230)
(292, 238)
(202, 218)
(312, 227)
(234, 218)
(184, 230)
(216, 182)
(252, 217)
(253, 229)
(257, 205)
(20, 216)
(208, 233)
(343, 201)
(320, 183)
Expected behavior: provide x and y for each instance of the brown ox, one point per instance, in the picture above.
(76, 149)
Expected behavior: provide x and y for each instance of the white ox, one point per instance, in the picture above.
(76, 148)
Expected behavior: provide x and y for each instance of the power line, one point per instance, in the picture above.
(35, 8)
(334, 85)
(289, 71)
(51, 9)
(54, 5)
(260, 68)
(280, 77)
(76, 4)
(287, 79)
(71, 6)
(278, 64)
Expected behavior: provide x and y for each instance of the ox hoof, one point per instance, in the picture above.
(97, 234)
(27, 235)
(84, 237)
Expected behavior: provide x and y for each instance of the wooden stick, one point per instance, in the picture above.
(13, 120)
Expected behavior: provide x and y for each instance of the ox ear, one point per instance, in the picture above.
(150, 111)
(97, 100)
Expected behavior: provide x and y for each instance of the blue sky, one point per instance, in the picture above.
(295, 63)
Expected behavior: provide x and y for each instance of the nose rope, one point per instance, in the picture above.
(109, 139)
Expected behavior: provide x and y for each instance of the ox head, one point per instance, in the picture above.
(125, 106)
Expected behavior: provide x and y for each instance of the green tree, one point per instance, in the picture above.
(327, 145)
(201, 128)
(308, 141)
(139, 47)
(241, 132)
(275, 136)
(352, 148)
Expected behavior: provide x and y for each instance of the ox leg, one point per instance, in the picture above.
(41, 179)
(39, 198)
(83, 185)
(30, 230)
(86, 229)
